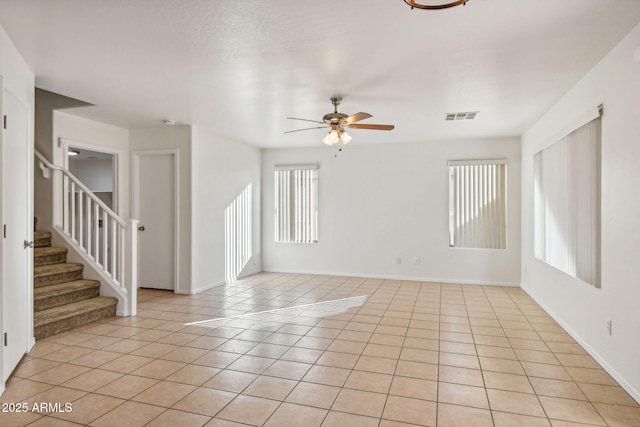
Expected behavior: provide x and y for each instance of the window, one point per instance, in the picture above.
(477, 204)
(567, 203)
(296, 204)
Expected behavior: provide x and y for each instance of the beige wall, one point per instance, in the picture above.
(45, 142)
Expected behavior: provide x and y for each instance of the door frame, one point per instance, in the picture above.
(135, 201)
(65, 144)
(29, 154)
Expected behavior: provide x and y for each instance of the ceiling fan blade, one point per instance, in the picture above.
(299, 130)
(355, 118)
(373, 127)
(306, 120)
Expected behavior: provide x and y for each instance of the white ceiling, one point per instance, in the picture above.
(242, 67)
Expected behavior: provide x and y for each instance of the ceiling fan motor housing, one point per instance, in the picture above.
(334, 117)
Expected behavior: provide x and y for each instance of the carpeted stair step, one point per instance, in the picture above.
(56, 273)
(41, 239)
(62, 298)
(55, 320)
(46, 297)
(47, 255)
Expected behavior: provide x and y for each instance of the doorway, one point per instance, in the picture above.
(97, 167)
(155, 198)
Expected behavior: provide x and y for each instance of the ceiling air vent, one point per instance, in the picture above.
(465, 115)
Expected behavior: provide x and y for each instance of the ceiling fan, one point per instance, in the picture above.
(338, 121)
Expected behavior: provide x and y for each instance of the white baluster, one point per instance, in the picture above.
(121, 255)
(73, 210)
(105, 241)
(91, 227)
(65, 204)
(81, 217)
(96, 244)
(114, 248)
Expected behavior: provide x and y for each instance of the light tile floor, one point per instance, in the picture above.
(405, 353)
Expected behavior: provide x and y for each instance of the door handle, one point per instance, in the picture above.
(141, 228)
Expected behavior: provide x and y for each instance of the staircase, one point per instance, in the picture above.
(62, 298)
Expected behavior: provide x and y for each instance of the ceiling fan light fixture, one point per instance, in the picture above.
(437, 6)
(333, 137)
(345, 137)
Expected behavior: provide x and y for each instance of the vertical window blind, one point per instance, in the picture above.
(567, 203)
(296, 204)
(477, 204)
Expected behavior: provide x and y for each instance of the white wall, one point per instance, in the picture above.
(20, 81)
(380, 202)
(221, 170)
(580, 308)
(14, 70)
(86, 133)
(179, 138)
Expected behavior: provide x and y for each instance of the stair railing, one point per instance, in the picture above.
(104, 239)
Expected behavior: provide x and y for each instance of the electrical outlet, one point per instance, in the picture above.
(609, 327)
(398, 260)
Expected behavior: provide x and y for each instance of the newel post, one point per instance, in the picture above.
(131, 279)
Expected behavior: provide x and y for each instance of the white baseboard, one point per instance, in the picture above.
(607, 367)
(201, 288)
(392, 277)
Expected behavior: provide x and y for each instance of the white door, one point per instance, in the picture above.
(15, 216)
(156, 212)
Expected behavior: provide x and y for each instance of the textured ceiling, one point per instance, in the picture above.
(242, 67)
